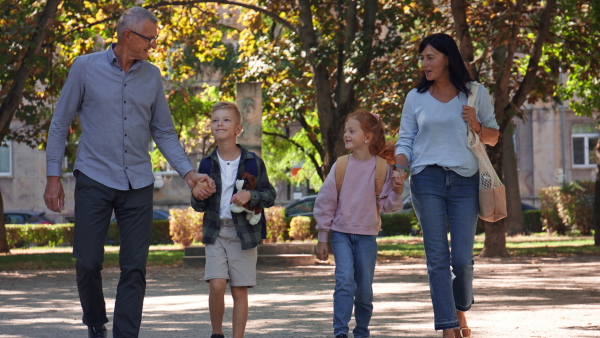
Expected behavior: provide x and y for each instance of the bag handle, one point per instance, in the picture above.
(474, 88)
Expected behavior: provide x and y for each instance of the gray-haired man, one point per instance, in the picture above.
(121, 104)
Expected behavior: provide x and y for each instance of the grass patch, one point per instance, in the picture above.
(390, 248)
(401, 247)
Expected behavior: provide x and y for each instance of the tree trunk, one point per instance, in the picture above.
(465, 43)
(514, 221)
(596, 218)
(495, 240)
(15, 94)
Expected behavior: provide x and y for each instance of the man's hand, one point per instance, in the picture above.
(201, 184)
(202, 191)
(54, 196)
(193, 177)
(322, 251)
(241, 198)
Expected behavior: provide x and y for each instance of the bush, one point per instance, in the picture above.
(577, 207)
(300, 228)
(185, 226)
(277, 226)
(533, 221)
(549, 200)
(399, 224)
(568, 209)
(28, 235)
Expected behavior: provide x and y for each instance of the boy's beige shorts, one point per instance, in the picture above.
(225, 259)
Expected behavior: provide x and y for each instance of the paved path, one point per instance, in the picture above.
(550, 297)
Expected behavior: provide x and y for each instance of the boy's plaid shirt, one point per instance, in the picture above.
(263, 197)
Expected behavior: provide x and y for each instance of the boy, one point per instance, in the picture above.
(229, 238)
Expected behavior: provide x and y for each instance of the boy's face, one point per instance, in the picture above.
(225, 125)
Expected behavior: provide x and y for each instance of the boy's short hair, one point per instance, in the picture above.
(227, 105)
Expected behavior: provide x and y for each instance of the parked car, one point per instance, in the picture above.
(408, 205)
(161, 214)
(26, 217)
(158, 214)
(305, 206)
(301, 207)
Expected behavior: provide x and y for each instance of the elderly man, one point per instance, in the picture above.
(121, 104)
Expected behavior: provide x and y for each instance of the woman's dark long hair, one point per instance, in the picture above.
(459, 75)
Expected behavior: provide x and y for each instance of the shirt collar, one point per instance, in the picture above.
(112, 58)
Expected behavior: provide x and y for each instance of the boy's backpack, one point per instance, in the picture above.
(206, 166)
(380, 173)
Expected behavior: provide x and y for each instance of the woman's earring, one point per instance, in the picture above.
(366, 142)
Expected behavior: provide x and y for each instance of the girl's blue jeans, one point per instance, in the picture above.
(355, 257)
(443, 199)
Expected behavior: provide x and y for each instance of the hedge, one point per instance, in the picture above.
(31, 235)
(533, 220)
(399, 224)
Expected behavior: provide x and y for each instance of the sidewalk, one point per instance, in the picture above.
(549, 297)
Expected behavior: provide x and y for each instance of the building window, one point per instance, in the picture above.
(585, 138)
(6, 159)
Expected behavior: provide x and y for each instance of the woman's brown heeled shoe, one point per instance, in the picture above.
(463, 332)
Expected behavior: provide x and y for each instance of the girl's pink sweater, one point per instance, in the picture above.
(355, 212)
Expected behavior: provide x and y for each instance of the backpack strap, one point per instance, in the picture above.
(251, 165)
(205, 165)
(380, 175)
(340, 171)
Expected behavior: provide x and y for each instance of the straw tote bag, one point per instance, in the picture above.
(492, 195)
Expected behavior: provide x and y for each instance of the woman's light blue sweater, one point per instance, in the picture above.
(434, 133)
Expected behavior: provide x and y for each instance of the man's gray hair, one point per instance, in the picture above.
(133, 19)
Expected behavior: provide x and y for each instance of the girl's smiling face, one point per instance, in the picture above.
(354, 136)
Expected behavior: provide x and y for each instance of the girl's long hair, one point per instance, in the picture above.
(445, 44)
(371, 123)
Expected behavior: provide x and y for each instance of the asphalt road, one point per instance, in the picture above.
(550, 297)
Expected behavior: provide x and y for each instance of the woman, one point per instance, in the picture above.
(432, 146)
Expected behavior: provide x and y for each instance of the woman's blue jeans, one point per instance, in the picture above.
(443, 199)
(355, 257)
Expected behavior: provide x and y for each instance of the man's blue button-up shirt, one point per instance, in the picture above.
(118, 112)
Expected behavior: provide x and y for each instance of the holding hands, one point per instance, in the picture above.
(204, 186)
(398, 178)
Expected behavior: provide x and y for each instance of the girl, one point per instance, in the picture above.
(444, 184)
(353, 220)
